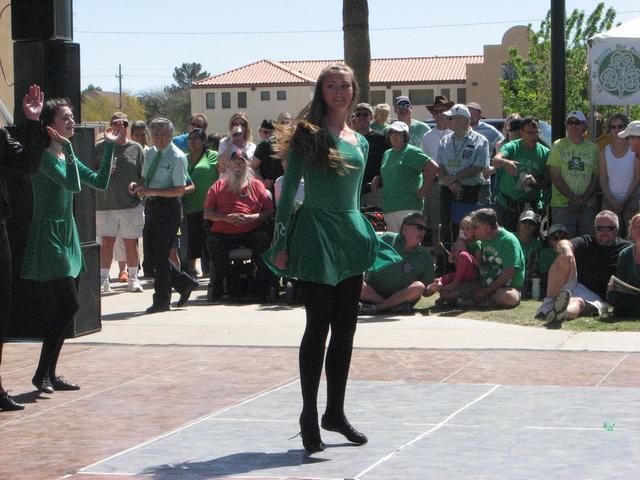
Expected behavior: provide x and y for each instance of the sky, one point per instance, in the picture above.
(149, 38)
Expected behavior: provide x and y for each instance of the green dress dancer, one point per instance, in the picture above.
(53, 256)
(329, 244)
(328, 239)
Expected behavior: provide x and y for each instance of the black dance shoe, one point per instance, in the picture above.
(7, 403)
(59, 383)
(43, 384)
(310, 434)
(342, 426)
(311, 440)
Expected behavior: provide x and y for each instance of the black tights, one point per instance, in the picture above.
(62, 301)
(327, 306)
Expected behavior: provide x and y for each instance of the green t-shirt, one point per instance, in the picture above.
(401, 178)
(530, 249)
(626, 269)
(532, 161)
(578, 164)
(327, 238)
(377, 127)
(500, 253)
(416, 265)
(473, 247)
(545, 259)
(203, 174)
(417, 130)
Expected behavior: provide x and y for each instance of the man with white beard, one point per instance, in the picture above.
(240, 208)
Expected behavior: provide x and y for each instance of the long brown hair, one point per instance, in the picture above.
(247, 131)
(309, 136)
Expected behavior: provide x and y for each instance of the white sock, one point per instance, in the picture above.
(104, 274)
(133, 272)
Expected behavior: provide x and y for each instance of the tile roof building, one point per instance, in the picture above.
(265, 88)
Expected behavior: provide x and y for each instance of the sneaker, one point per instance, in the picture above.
(465, 302)
(105, 287)
(558, 312)
(403, 309)
(367, 309)
(134, 285)
(123, 277)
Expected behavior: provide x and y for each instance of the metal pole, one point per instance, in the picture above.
(119, 77)
(558, 70)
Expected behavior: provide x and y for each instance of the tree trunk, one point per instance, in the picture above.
(357, 50)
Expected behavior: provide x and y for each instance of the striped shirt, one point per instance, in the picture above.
(457, 154)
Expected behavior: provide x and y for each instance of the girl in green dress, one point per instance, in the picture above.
(53, 258)
(327, 244)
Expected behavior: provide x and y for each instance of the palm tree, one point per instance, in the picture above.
(357, 50)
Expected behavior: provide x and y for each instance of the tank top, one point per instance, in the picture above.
(620, 172)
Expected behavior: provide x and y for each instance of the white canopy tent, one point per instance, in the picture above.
(614, 65)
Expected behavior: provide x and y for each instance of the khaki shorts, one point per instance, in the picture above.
(125, 223)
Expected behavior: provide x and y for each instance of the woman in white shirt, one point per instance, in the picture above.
(239, 139)
(619, 173)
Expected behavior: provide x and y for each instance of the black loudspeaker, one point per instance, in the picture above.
(29, 311)
(42, 19)
(84, 203)
(54, 65)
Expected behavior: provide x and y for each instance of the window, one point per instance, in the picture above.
(461, 94)
(281, 94)
(265, 96)
(421, 97)
(226, 99)
(377, 96)
(242, 99)
(211, 101)
(446, 92)
(396, 94)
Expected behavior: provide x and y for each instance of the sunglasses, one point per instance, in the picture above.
(531, 132)
(574, 122)
(422, 228)
(617, 126)
(605, 228)
(361, 114)
(557, 236)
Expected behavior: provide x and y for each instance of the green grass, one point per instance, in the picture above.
(524, 315)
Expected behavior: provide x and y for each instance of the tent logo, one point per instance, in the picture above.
(619, 72)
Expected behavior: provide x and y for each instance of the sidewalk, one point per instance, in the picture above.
(212, 391)
(198, 323)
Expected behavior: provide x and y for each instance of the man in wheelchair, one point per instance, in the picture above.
(240, 208)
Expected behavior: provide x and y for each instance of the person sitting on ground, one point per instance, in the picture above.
(549, 252)
(628, 270)
(400, 285)
(501, 270)
(240, 208)
(578, 277)
(527, 235)
(466, 255)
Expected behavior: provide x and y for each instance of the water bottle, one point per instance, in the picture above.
(535, 288)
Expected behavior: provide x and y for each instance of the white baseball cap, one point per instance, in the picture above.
(578, 115)
(458, 110)
(399, 126)
(632, 130)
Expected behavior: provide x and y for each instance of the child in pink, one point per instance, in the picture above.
(466, 255)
